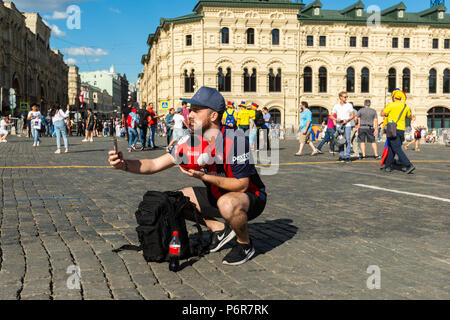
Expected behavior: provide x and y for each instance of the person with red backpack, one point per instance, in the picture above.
(132, 123)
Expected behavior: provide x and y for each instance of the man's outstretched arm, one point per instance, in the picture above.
(146, 166)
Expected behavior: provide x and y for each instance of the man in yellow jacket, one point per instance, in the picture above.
(397, 111)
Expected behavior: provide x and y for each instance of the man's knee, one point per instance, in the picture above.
(231, 206)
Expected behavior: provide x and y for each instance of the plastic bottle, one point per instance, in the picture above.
(174, 252)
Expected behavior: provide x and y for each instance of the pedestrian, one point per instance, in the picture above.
(48, 125)
(417, 132)
(20, 125)
(132, 122)
(243, 117)
(367, 127)
(58, 117)
(170, 125)
(111, 126)
(90, 126)
(229, 117)
(144, 115)
(252, 135)
(266, 127)
(233, 188)
(304, 130)
(118, 124)
(397, 111)
(4, 123)
(178, 131)
(329, 133)
(185, 114)
(34, 116)
(345, 114)
(98, 126)
(153, 125)
(355, 153)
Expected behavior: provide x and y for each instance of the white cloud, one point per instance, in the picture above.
(115, 10)
(56, 31)
(45, 5)
(71, 61)
(57, 15)
(85, 51)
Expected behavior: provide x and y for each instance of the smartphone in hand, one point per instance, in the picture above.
(116, 148)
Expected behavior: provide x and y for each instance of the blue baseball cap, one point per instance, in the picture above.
(209, 98)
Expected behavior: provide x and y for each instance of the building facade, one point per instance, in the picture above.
(277, 53)
(27, 64)
(96, 99)
(74, 83)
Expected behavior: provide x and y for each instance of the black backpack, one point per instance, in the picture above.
(158, 215)
(259, 118)
(143, 122)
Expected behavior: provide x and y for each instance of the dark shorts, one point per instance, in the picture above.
(365, 135)
(90, 128)
(209, 209)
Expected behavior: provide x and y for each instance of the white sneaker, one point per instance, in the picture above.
(85, 140)
(3, 141)
(92, 140)
(67, 151)
(37, 145)
(58, 151)
(34, 144)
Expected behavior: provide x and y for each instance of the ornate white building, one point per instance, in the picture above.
(27, 64)
(278, 53)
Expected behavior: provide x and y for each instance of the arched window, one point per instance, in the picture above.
(250, 36)
(225, 35)
(275, 116)
(249, 81)
(274, 81)
(221, 80)
(350, 80)
(275, 37)
(392, 80)
(365, 80)
(319, 115)
(432, 81)
(307, 79)
(447, 81)
(439, 117)
(406, 80)
(228, 80)
(322, 79)
(189, 81)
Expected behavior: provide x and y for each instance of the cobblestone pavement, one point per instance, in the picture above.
(316, 239)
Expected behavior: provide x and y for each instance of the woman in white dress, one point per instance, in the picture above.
(35, 117)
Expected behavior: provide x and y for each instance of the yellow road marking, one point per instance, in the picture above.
(261, 165)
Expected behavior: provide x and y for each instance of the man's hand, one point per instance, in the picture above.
(116, 160)
(304, 132)
(193, 173)
(375, 133)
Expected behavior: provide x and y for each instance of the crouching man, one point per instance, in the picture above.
(233, 189)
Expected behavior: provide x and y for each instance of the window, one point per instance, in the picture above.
(310, 41)
(447, 44)
(406, 43)
(353, 42)
(189, 81)
(249, 81)
(319, 115)
(350, 80)
(394, 42)
(307, 79)
(435, 43)
(406, 80)
(323, 41)
(274, 81)
(275, 116)
(447, 81)
(365, 80)
(189, 40)
(275, 37)
(322, 79)
(225, 35)
(392, 80)
(250, 36)
(432, 81)
(439, 117)
(365, 42)
(224, 81)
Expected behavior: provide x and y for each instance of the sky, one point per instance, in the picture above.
(115, 32)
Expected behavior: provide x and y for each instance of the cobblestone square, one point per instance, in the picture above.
(321, 230)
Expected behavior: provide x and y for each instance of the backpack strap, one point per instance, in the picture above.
(128, 247)
(400, 116)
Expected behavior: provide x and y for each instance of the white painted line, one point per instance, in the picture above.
(403, 192)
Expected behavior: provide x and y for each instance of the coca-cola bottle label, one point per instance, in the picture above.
(175, 250)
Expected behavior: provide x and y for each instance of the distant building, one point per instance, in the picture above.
(132, 92)
(100, 101)
(37, 73)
